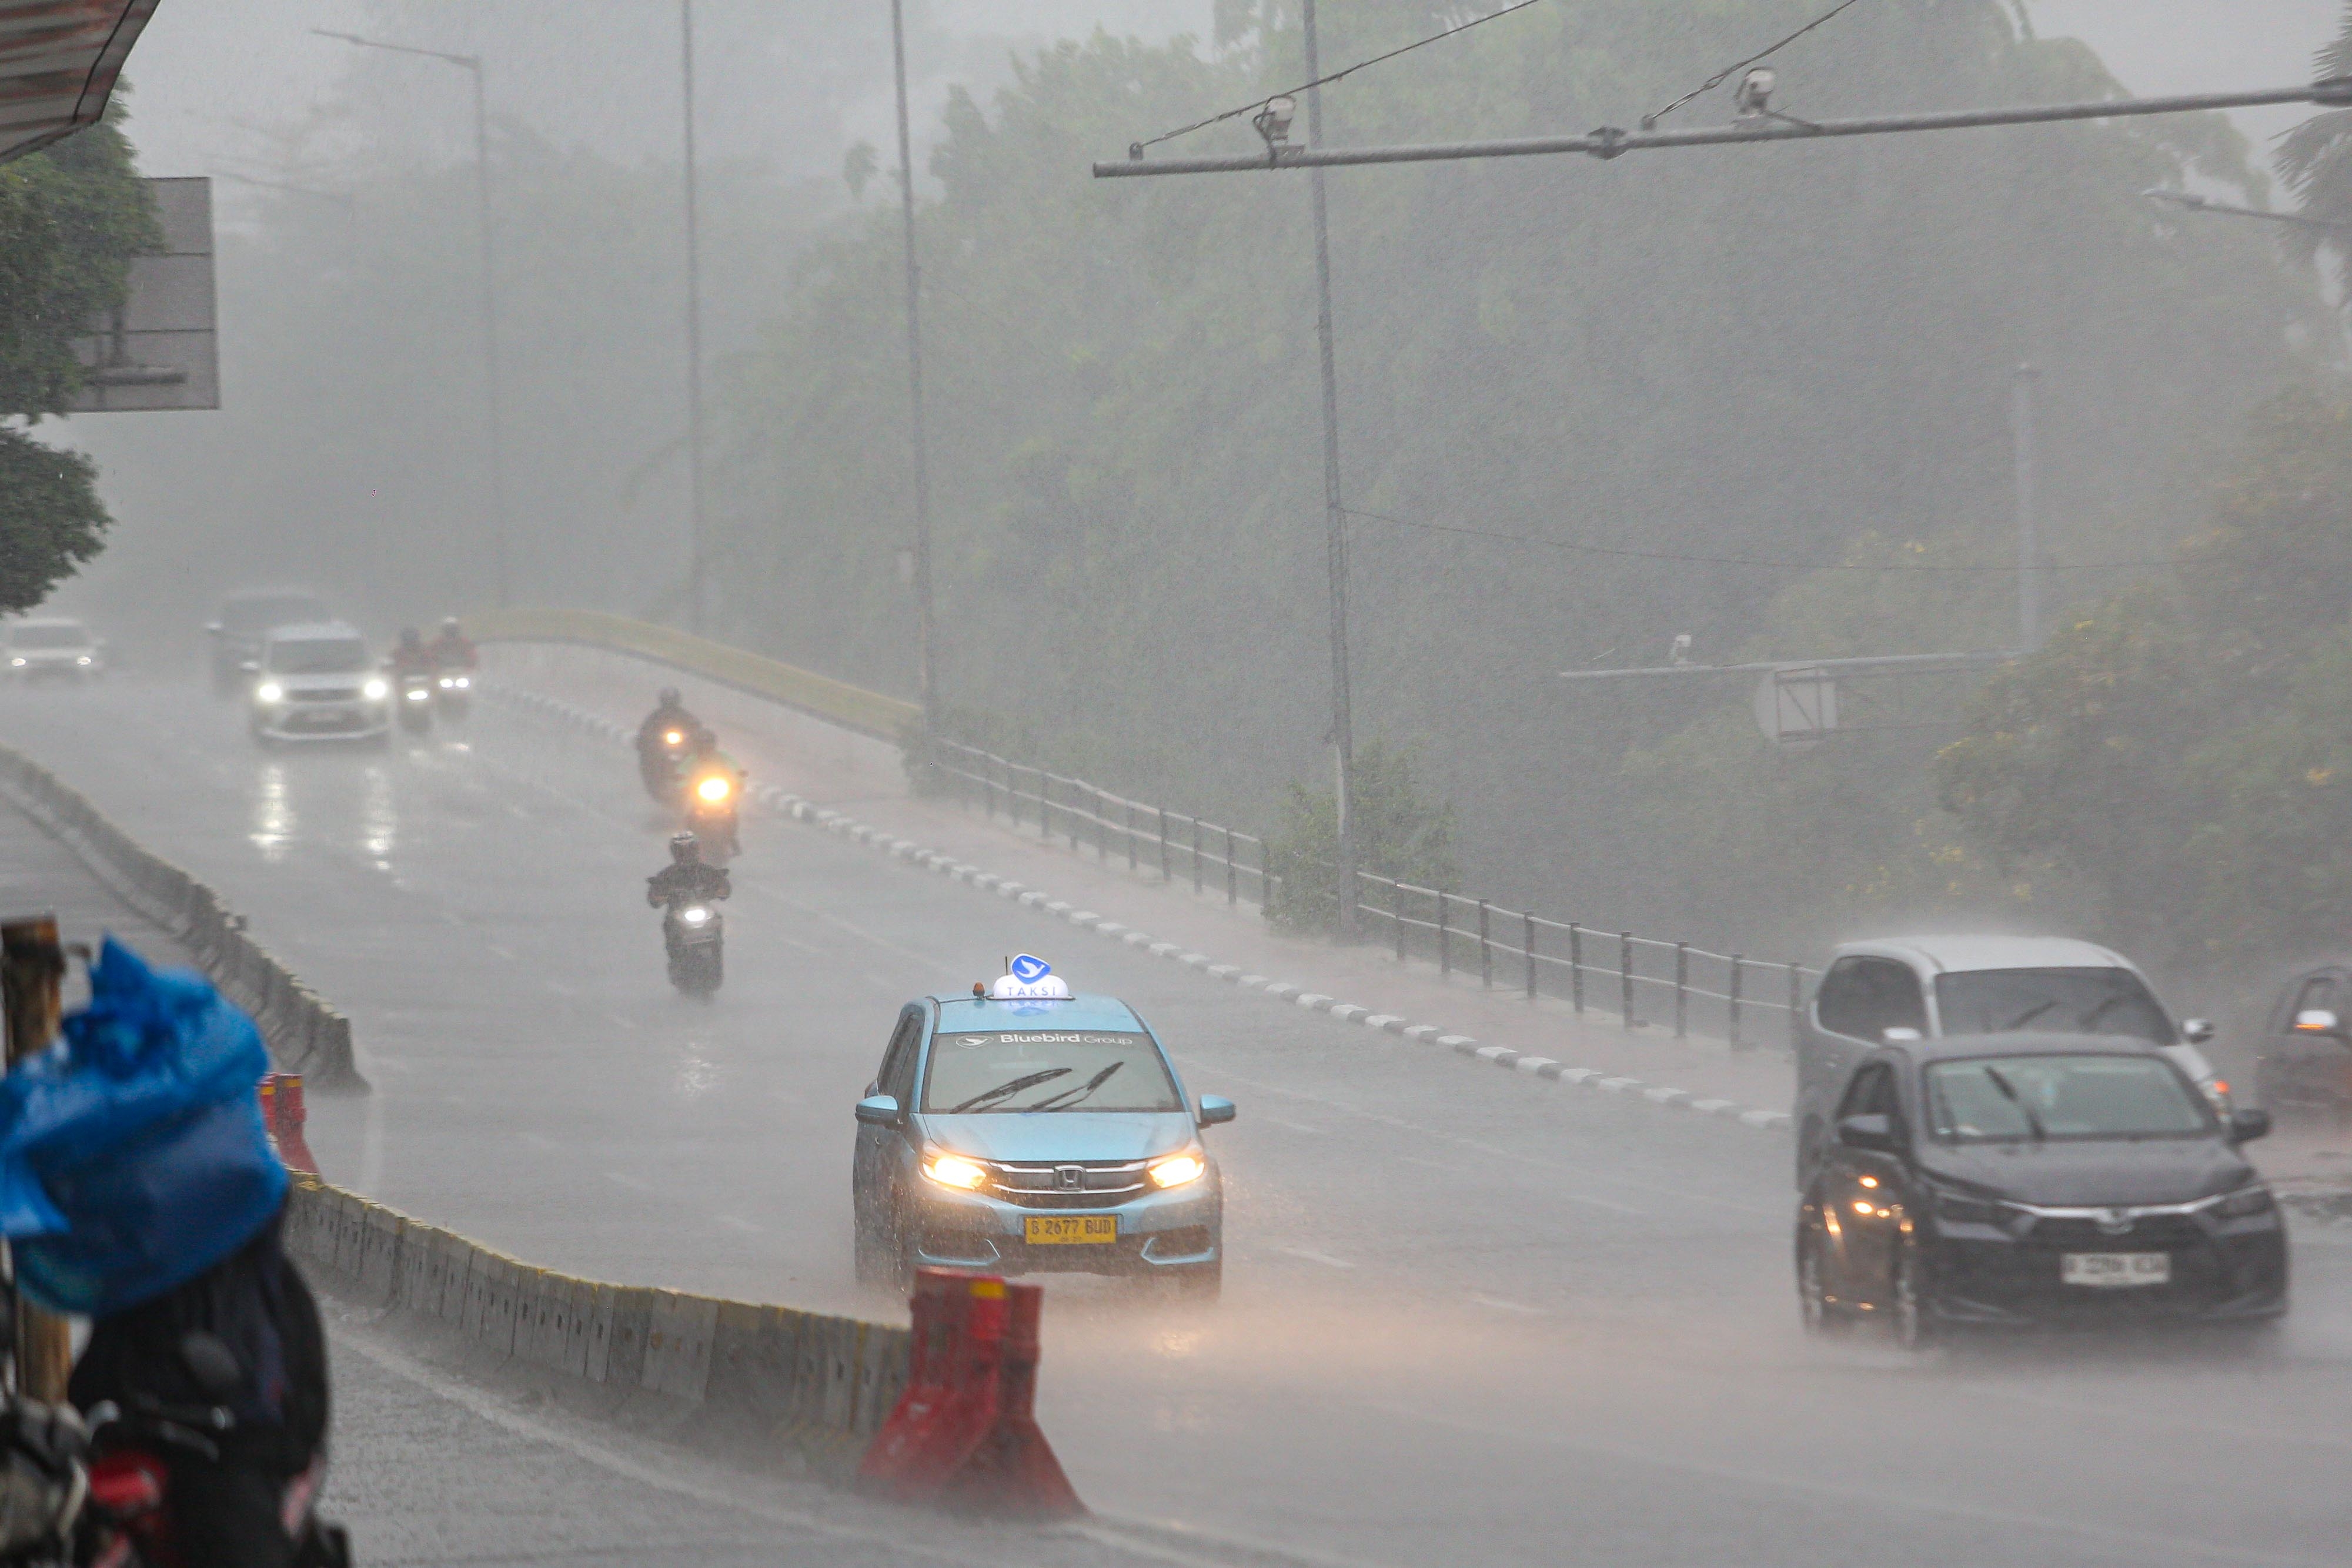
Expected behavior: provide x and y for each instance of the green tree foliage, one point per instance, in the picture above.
(2316, 156)
(1400, 834)
(1760, 353)
(2184, 749)
(50, 518)
(71, 218)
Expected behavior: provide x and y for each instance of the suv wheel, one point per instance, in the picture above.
(1821, 1318)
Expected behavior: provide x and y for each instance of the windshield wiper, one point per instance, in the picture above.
(1074, 1096)
(2024, 1110)
(2027, 1017)
(990, 1096)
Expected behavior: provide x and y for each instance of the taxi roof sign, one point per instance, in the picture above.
(1026, 967)
(1029, 979)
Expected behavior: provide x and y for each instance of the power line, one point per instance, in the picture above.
(1135, 150)
(1752, 562)
(1649, 121)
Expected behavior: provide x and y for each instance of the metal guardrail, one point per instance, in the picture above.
(1150, 837)
(1689, 987)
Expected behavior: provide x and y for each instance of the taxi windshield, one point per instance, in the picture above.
(1048, 1069)
(2012, 1099)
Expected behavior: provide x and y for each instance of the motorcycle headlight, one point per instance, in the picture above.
(448, 682)
(2245, 1203)
(270, 692)
(1177, 1169)
(695, 914)
(418, 694)
(673, 737)
(954, 1170)
(713, 788)
(83, 660)
(18, 663)
(375, 691)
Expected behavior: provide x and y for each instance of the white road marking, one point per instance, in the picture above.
(560, 988)
(620, 1178)
(1293, 1126)
(736, 1222)
(1500, 1305)
(1314, 1257)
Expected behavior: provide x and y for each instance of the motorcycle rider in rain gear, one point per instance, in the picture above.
(659, 757)
(410, 656)
(452, 649)
(704, 761)
(686, 878)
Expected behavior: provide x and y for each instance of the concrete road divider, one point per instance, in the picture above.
(305, 1035)
(965, 1435)
(815, 1387)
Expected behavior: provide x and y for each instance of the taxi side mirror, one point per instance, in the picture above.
(879, 1111)
(1214, 1109)
(2196, 1031)
(1874, 1133)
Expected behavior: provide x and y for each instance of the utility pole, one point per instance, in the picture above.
(472, 64)
(1335, 515)
(699, 548)
(927, 671)
(2029, 543)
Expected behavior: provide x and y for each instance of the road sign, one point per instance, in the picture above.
(1796, 706)
(160, 351)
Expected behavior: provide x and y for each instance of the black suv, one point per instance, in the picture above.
(2034, 1179)
(245, 619)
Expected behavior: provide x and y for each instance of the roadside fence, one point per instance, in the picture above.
(1645, 981)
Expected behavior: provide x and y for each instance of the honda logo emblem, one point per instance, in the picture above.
(1070, 1178)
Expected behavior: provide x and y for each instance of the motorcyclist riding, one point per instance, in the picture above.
(452, 649)
(686, 878)
(664, 740)
(410, 656)
(711, 787)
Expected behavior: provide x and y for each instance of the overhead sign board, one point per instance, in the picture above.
(162, 350)
(1797, 707)
(59, 59)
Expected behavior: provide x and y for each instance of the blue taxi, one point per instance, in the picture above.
(1027, 1129)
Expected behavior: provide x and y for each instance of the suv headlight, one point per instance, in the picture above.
(375, 691)
(953, 1170)
(1177, 1169)
(270, 692)
(2245, 1203)
(1958, 1208)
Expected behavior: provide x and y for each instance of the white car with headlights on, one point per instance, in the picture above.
(52, 648)
(318, 682)
(1023, 1129)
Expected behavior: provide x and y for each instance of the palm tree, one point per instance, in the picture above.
(2316, 156)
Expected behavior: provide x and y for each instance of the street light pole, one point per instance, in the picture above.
(698, 568)
(2029, 543)
(1335, 515)
(926, 673)
(497, 445)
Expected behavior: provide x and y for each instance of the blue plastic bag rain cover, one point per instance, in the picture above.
(133, 1155)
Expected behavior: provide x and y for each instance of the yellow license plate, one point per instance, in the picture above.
(1070, 1229)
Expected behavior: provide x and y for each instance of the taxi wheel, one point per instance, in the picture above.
(1821, 1318)
(871, 1256)
(1913, 1326)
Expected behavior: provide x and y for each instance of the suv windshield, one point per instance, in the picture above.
(275, 609)
(1058, 1070)
(318, 656)
(2005, 1099)
(2056, 1001)
(49, 634)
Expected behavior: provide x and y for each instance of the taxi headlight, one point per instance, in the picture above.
(954, 1170)
(2245, 1203)
(713, 789)
(375, 691)
(270, 692)
(1177, 1169)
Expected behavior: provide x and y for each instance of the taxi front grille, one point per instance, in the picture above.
(1078, 1184)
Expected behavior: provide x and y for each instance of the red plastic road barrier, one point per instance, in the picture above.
(282, 1115)
(965, 1433)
